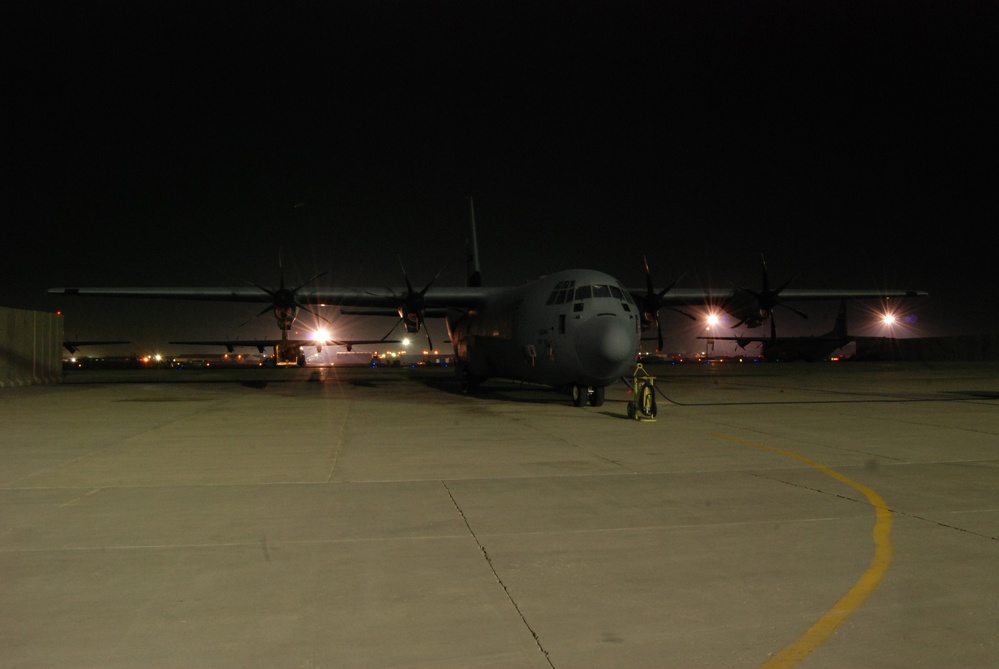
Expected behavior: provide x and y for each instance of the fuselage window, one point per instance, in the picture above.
(616, 292)
(601, 291)
(583, 293)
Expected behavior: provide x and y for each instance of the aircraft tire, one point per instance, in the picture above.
(632, 411)
(468, 382)
(579, 395)
(597, 397)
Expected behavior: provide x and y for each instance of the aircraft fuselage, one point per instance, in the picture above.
(802, 348)
(571, 328)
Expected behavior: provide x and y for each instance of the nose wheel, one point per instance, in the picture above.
(583, 395)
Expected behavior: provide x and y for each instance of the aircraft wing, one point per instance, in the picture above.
(261, 344)
(73, 346)
(375, 311)
(218, 294)
(782, 341)
(372, 296)
(813, 295)
(461, 297)
(679, 297)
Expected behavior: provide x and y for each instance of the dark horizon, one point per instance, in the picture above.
(850, 144)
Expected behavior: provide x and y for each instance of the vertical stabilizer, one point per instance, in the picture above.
(839, 329)
(472, 276)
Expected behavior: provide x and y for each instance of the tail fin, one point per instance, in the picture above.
(839, 329)
(472, 276)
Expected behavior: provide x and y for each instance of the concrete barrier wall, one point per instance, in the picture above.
(30, 347)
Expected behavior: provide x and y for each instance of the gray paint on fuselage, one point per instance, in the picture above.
(516, 334)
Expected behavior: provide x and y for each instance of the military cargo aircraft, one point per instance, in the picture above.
(808, 347)
(577, 330)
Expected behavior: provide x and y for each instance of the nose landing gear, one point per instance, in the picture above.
(583, 395)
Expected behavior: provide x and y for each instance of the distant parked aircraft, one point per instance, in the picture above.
(799, 348)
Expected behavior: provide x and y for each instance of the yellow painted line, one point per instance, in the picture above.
(826, 626)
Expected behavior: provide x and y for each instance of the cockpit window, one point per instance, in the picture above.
(566, 291)
(562, 292)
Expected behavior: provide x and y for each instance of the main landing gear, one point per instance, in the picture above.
(583, 395)
(467, 381)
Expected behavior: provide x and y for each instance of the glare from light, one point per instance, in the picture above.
(320, 335)
(713, 320)
(405, 341)
(892, 320)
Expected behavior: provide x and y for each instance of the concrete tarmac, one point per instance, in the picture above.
(816, 515)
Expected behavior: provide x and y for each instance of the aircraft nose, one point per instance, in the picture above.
(606, 347)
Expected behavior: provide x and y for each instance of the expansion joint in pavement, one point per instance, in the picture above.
(499, 579)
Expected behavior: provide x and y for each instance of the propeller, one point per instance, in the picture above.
(653, 301)
(413, 305)
(284, 301)
(768, 299)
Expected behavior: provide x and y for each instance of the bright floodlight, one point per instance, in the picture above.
(405, 341)
(320, 335)
(888, 319)
(712, 320)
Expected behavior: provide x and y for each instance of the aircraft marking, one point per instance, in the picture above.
(884, 551)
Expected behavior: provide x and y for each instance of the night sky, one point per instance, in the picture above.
(170, 144)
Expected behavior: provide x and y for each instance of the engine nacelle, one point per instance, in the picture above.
(285, 318)
(412, 321)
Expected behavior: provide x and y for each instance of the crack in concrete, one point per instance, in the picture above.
(499, 579)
